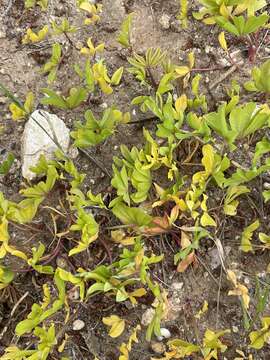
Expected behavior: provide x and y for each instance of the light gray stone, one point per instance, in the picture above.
(37, 137)
(165, 21)
(78, 325)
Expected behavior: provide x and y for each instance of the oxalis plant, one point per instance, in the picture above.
(152, 197)
(238, 17)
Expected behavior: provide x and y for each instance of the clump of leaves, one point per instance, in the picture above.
(46, 341)
(63, 28)
(97, 74)
(76, 97)
(183, 13)
(33, 37)
(95, 131)
(92, 12)
(247, 234)
(21, 111)
(31, 3)
(260, 79)
(142, 65)
(92, 50)
(116, 323)
(6, 276)
(51, 66)
(124, 36)
(211, 347)
(6, 164)
(238, 122)
(259, 337)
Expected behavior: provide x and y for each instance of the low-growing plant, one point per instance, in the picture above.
(124, 35)
(260, 79)
(97, 75)
(32, 3)
(94, 131)
(52, 65)
(76, 97)
(34, 37)
(5, 165)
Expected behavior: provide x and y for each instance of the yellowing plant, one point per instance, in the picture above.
(32, 37)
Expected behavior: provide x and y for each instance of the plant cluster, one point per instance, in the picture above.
(181, 207)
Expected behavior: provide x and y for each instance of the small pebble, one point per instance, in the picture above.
(73, 152)
(104, 105)
(177, 286)
(235, 329)
(165, 21)
(158, 348)
(165, 334)
(266, 186)
(78, 325)
(74, 294)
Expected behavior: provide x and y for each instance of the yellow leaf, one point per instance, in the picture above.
(239, 289)
(246, 237)
(13, 251)
(209, 21)
(182, 70)
(224, 11)
(232, 277)
(181, 103)
(119, 236)
(222, 41)
(207, 220)
(202, 310)
(191, 60)
(116, 323)
(208, 159)
(29, 102)
(138, 292)
(16, 112)
(32, 37)
(4, 235)
(106, 89)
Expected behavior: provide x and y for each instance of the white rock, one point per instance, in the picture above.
(266, 185)
(165, 21)
(78, 325)
(36, 141)
(177, 286)
(165, 334)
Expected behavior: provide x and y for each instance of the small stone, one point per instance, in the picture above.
(266, 186)
(165, 21)
(104, 105)
(37, 137)
(73, 152)
(147, 316)
(74, 294)
(235, 329)
(78, 325)
(165, 334)
(214, 254)
(3, 100)
(177, 286)
(158, 348)
(2, 34)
